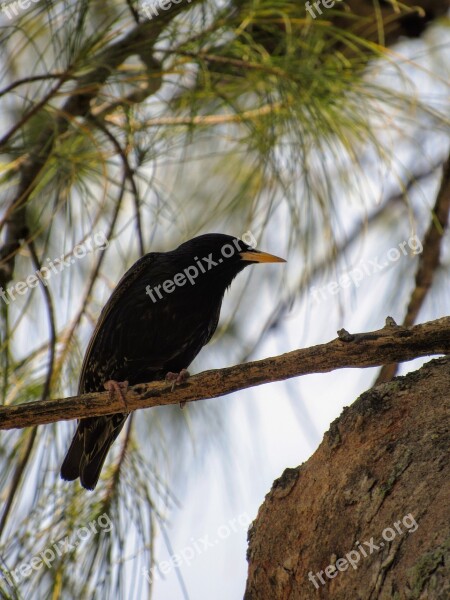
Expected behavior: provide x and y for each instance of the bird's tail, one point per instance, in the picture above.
(90, 444)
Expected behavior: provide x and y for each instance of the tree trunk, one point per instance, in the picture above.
(367, 516)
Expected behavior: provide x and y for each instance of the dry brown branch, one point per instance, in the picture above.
(430, 258)
(428, 263)
(361, 350)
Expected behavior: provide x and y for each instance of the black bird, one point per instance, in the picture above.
(162, 312)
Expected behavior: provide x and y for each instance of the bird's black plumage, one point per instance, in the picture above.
(144, 331)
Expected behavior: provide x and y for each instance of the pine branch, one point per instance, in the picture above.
(393, 343)
(139, 40)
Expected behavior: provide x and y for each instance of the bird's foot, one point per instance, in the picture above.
(117, 389)
(177, 379)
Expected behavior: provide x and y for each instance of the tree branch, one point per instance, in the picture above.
(429, 261)
(390, 344)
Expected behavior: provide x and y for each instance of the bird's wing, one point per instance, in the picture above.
(120, 292)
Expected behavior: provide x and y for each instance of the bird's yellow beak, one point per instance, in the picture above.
(260, 257)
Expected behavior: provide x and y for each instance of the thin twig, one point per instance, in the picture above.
(67, 337)
(129, 172)
(20, 468)
(31, 79)
(245, 115)
(27, 116)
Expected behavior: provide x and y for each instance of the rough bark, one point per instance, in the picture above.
(384, 458)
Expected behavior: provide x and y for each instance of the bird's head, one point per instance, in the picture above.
(218, 258)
